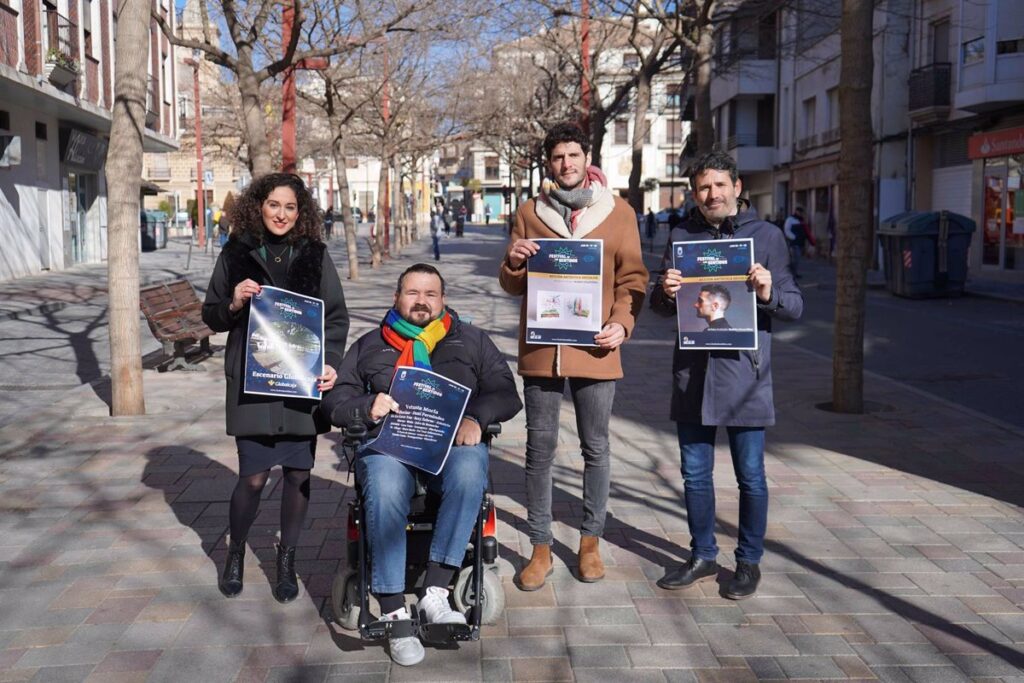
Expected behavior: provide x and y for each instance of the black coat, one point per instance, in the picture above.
(466, 355)
(732, 388)
(311, 272)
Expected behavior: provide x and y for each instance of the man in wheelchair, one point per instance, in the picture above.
(421, 331)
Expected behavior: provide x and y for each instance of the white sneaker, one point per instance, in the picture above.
(406, 651)
(434, 608)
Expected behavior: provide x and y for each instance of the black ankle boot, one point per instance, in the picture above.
(230, 583)
(744, 581)
(287, 588)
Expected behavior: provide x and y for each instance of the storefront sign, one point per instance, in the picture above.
(817, 174)
(84, 150)
(996, 143)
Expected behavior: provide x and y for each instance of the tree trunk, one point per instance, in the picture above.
(702, 91)
(124, 175)
(855, 204)
(254, 123)
(598, 124)
(377, 244)
(347, 219)
(640, 127)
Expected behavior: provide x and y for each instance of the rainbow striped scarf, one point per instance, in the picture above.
(414, 343)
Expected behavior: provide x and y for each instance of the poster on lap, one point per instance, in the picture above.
(430, 411)
(563, 292)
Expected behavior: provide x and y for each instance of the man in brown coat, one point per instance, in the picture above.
(575, 203)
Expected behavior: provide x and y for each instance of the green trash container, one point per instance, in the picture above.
(159, 219)
(147, 227)
(925, 253)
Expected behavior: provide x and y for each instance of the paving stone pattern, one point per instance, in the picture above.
(895, 546)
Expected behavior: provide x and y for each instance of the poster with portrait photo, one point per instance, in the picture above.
(715, 309)
(285, 349)
(563, 292)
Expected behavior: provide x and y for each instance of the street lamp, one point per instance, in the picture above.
(193, 62)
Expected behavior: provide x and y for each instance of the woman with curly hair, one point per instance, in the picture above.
(275, 240)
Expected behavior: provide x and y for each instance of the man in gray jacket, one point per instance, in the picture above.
(726, 388)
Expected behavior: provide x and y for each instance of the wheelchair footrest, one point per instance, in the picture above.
(445, 633)
(390, 628)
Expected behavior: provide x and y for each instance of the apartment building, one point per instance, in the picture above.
(967, 123)
(56, 91)
(775, 98)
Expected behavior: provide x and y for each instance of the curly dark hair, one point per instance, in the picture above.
(246, 216)
(565, 132)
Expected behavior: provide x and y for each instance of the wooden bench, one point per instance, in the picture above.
(175, 316)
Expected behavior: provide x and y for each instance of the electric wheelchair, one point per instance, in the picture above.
(476, 591)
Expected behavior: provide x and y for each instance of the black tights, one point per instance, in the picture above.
(245, 503)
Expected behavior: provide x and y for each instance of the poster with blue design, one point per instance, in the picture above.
(285, 350)
(430, 411)
(715, 309)
(563, 292)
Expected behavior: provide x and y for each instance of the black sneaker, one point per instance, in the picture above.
(692, 572)
(744, 581)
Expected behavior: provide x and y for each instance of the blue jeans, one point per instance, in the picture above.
(437, 246)
(593, 400)
(387, 487)
(697, 451)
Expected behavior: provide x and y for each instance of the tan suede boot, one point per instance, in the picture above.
(591, 567)
(533, 575)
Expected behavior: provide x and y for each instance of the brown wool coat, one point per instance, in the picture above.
(625, 285)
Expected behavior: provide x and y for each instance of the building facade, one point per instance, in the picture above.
(56, 91)
(967, 123)
(775, 98)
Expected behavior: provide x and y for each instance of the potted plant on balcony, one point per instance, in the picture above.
(60, 68)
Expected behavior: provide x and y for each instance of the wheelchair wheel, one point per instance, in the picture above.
(345, 599)
(492, 598)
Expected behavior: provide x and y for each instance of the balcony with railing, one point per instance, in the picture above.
(752, 151)
(929, 96)
(61, 58)
(806, 143)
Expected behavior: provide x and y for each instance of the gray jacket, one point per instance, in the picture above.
(732, 388)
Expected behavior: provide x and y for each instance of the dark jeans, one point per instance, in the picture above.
(593, 401)
(437, 246)
(697, 452)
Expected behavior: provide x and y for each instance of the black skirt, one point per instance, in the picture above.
(261, 453)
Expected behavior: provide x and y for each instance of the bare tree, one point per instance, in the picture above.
(855, 205)
(257, 51)
(124, 176)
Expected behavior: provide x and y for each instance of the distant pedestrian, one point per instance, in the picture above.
(652, 223)
(436, 228)
(487, 214)
(731, 389)
(223, 228)
(460, 222)
(275, 241)
(796, 236)
(328, 224)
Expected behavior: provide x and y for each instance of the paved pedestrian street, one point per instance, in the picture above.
(895, 544)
